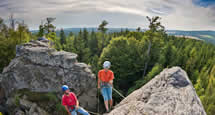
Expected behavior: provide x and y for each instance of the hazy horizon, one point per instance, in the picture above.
(118, 28)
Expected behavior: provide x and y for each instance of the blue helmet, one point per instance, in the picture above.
(65, 87)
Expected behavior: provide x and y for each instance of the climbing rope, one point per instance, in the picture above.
(93, 113)
(119, 93)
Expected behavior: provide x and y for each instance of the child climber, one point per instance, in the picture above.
(105, 82)
(71, 103)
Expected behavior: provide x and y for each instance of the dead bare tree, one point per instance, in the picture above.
(12, 21)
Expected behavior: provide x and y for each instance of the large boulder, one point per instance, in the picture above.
(40, 68)
(169, 93)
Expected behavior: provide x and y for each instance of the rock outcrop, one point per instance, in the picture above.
(169, 93)
(37, 68)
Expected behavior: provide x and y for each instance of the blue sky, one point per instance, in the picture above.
(176, 14)
(204, 3)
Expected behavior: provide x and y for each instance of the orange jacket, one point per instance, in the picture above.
(106, 76)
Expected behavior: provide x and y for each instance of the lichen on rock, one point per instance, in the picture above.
(169, 93)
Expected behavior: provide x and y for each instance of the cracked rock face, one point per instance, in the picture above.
(39, 68)
(169, 93)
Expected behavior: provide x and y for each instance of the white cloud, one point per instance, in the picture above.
(176, 14)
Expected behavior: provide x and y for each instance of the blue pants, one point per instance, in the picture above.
(80, 110)
(107, 93)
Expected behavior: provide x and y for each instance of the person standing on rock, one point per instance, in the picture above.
(71, 103)
(105, 82)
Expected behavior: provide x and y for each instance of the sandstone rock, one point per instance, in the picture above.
(26, 103)
(169, 93)
(10, 101)
(19, 112)
(39, 68)
(2, 95)
(35, 110)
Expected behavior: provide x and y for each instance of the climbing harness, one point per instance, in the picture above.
(70, 106)
(105, 84)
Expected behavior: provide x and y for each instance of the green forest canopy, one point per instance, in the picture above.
(136, 56)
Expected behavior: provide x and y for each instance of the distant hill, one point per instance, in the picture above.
(208, 36)
(76, 30)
